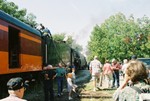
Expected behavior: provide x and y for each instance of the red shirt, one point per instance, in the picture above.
(116, 66)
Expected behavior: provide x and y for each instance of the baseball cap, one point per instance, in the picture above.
(16, 83)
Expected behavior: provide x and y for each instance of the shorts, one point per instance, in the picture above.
(96, 75)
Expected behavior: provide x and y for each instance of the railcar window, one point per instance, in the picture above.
(14, 47)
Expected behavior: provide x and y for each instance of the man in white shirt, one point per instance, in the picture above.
(16, 88)
(95, 69)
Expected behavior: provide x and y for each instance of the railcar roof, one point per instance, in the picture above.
(16, 22)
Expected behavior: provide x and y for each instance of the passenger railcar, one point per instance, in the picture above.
(20, 46)
(20, 50)
(24, 51)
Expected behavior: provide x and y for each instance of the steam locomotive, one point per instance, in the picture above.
(24, 52)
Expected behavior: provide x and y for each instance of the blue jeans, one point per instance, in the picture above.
(60, 84)
(116, 78)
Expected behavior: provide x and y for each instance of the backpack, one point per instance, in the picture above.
(142, 95)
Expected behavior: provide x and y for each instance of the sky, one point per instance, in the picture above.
(78, 17)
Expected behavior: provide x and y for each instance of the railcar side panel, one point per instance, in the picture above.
(31, 62)
(3, 62)
(28, 45)
(3, 37)
(3, 47)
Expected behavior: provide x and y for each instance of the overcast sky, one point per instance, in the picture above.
(78, 17)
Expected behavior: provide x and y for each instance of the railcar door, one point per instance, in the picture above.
(14, 48)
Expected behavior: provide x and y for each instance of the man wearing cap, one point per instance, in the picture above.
(95, 69)
(16, 87)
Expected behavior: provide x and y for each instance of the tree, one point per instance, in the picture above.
(13, 10)
(70, 42)
(120, 37)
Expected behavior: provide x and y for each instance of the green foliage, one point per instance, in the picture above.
(119, 37)
(70, 42)
(13, 10)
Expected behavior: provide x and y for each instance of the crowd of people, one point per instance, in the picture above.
(135, 80)
(109, 70)
(63, 75)
(135, 86)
